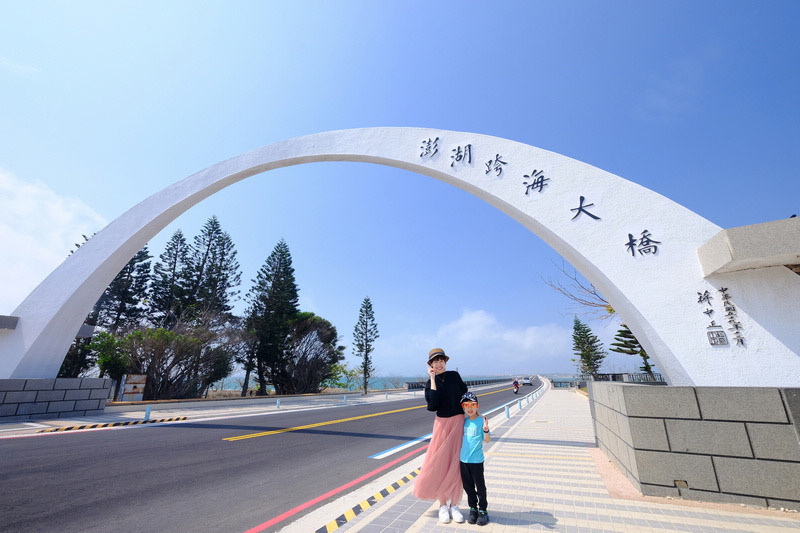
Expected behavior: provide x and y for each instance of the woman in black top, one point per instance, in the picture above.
(440, 476)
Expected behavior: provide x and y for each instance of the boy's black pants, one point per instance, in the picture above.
(474, 485)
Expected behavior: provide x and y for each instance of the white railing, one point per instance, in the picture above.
(533, 396)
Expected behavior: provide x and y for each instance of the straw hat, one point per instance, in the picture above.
(437, 352)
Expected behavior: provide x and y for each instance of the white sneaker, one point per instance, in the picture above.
(444, 514)
(455, 512)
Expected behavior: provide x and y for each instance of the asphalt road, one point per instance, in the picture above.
(188, 477)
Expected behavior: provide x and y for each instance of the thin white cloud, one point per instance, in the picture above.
(479, 344)
(677, 91)
(38, 229)
(17, 69)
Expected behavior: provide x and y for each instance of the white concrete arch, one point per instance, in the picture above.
(636, 246)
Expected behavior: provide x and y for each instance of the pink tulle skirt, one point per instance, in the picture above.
(440, 475)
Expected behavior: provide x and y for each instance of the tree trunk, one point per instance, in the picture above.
(262, 380)
(246, 383)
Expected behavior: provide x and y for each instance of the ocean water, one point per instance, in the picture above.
(375, 383)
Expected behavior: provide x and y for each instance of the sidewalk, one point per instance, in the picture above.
(543, 473)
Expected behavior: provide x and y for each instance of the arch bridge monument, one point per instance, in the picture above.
(716, 309)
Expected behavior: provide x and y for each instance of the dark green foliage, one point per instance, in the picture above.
(245, 354)
(190, 281)
(587, 347)
(170, 284)
(273, 302)
(627, 343)
(78, 360)
(313, 354)
(213, 270)
(112, 358)
(217, 364)
(178, 364)
(120, 307)
(365, 334)
(197, 340)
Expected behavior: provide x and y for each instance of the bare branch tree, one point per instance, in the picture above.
(590, 302)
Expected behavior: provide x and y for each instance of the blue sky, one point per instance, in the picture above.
(106, 103)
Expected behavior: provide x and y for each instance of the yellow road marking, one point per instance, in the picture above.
(318, 424)
(329, 422)
(493, 392)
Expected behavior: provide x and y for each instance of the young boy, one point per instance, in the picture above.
(476, 432)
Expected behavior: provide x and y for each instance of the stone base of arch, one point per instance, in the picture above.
(37, 399)
(714, 444)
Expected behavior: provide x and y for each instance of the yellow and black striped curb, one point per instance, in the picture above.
(112, 424)
(333, 525)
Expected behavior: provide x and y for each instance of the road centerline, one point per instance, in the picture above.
(317, 424)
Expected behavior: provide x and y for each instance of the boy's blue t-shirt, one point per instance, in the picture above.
(472, 443)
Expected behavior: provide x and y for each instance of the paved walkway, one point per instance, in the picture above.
(542, 475)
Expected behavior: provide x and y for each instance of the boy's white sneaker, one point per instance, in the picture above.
(444, 514)
(455, 512)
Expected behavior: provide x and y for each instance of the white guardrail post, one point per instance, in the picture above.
(535, 394)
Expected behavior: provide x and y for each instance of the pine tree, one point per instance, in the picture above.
(365, 334)
(213, 270)
(170, 283)
(587, 347)
(627, 343)
(273, 305)
(121, 307)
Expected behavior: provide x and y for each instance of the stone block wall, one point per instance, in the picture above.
(716, 444)
(33, 399)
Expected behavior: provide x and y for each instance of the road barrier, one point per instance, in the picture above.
(528, 398)
(419, 385)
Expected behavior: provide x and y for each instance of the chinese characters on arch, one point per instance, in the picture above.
(716, 332)
(535, 181)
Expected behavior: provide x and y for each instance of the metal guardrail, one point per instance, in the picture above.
(420, 385)
(527, 398)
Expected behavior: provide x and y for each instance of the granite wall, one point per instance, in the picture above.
(716, 444)
(32, 399)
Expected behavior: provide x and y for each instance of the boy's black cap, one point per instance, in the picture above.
(469, 397)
